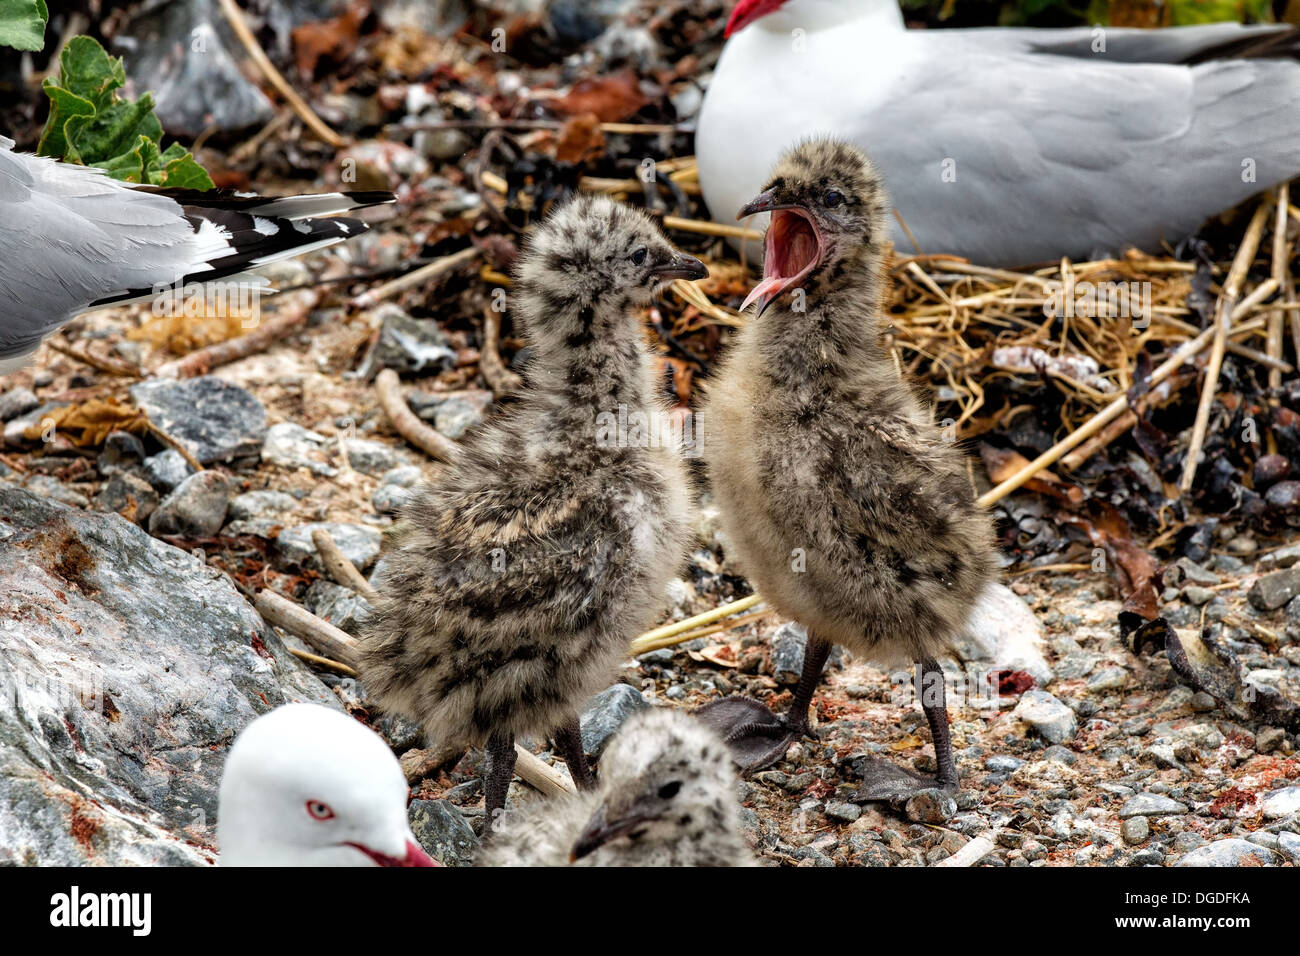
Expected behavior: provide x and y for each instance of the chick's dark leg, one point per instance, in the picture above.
(568, 740)
(884, 781)
(757, 737)
(496, 781)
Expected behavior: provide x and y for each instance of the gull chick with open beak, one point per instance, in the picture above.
(667, 797)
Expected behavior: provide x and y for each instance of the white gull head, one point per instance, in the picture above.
(308, 786)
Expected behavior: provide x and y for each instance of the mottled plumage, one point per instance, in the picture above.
(844, 504)
(667, 797)
(531, 561)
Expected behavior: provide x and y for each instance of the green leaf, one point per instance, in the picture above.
(91, 125)
(22, 24)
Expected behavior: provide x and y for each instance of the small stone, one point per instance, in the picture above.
(443, 832)
(371, 457)
(128, 495)
(213, 419)
(931, 806)
(1281, 558)
(1281, 803)
(1047, 715)
(1135, 830)
(605, 713)
(1150, 805)
(1269, 739)
(843, 812)
(121, 451)
(1289, 843)
(1151, 856)
(17, 401)
(1111, 678)
(1060, 754)
(787, 652)
(452, 413)
(341, 606)
(196, 509)
(359, 543)
(1274, 590)
(1243, 544)
(773, 778)
(1230, 852)
(166, 470)
(292, 446)
(1202, 702)
(408, 344)
(1197, 595)
(253, 505)
(1003, 764)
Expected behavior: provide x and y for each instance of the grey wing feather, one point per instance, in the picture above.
(1167, 142)
(1124, 44)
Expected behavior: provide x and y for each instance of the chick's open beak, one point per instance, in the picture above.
(680, 266)
(601, 829)
(792, 248)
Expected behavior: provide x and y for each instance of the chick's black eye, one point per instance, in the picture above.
(670, 790)
(638, 257)
(832, 199)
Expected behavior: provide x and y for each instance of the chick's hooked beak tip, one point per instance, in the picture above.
(680, 266)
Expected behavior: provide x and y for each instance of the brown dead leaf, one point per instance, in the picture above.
(724, 655)
(330, 40)
(580, 140)
(1002, 463)
(88, 424)
(907, 743)
(611, 98)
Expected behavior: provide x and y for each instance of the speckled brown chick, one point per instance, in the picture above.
(530, 562)
(844, 504)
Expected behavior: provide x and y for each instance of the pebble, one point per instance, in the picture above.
(787, 652)
(122, 451)
(166, 470)
(1269, 739)
(360, 544)
(1151, 856)
(372, 457)
(605, 713)
(443, 832)
(1281, 558)
(1289, 843)
(128, 495)
(261, 504)
(1230, 852)
(843, 812)
(19, 400)
(1003, 764)
(292, 446)
(452, 413)
(1047, 715)
(1150, 805)
(196, 509)
(213, 419)
(1281, 803)
(931, 806)
(1274, 590)
(341, 606)
(1197, 595)
(1135, 830)
(408, 344)
(1111, 678)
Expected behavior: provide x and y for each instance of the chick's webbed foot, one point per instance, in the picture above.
(756, 737)
(886, 782)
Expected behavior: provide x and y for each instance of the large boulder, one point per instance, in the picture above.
(127, 667)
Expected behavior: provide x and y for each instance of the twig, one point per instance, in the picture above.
(325, 662)
(1049, 567)
(1279, 272)
(291, 315)
(412, 279)
(1222, 322)
(408, 425)
(540, 775)
(300, 622)
(237, 23)
(175, 443)
(103, 363)
(501, 379)
(651, 640)
(707, 228)
(342, 570)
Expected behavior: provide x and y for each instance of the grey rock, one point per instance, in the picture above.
(342, 607)
(1197, 595)
(359, 543)
(408, 344)
(49, 487)
(1151, 856)
(166, 470)
(1108, 679)
(787, 652)
(452, 413)
(128, 495)
(443, 832)
(121, 451)
(931, 806)
(264, 504)
(15, 430)
(196, 509)
(372, 457)
(843, 812)
(118, 712)
(291, 446)
(1052, 719)
(1231, 852)
(1289, 843)
(1281, 558)
(213, 419)
(1150, 805)
(1275, 589)
(605, 713)
(390, 499)
(1281, 803)
(1187, 571)
(19, 400)
(1003, 764)
(1269, 739)
(1135, 830)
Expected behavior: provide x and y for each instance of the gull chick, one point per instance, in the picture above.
(73, 239)
(308, 786)
(531, 561)
(847, 508)
(667, 797)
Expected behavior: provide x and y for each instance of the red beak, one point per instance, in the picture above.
(415, 856)
(747, 11)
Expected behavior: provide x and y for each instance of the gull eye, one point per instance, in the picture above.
(832, 199)
(319, 811)
(638, 257)
(670, 790)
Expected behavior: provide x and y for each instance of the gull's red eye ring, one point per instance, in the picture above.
(319, 811)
